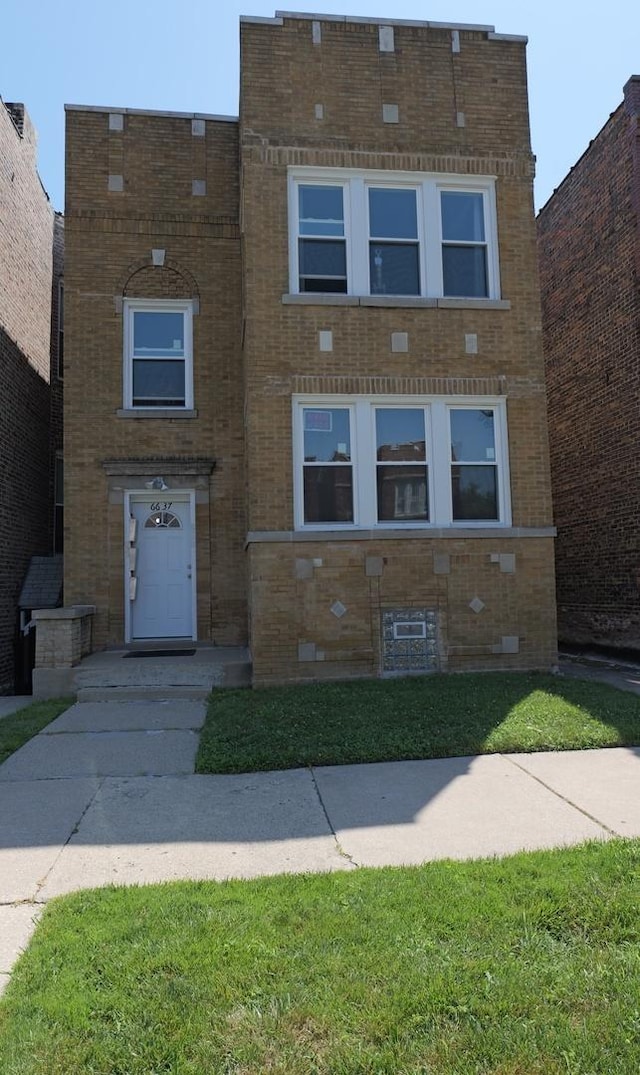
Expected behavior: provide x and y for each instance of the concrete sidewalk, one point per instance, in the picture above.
(106, 795)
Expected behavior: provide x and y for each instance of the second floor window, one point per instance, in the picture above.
(158, 354)
(392, 234)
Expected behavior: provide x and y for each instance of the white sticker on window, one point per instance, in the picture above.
(318, 422)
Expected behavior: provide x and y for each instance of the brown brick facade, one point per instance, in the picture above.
(346, 73)
(26, 240)
(589, 252)
(110, 238)
(311, 602)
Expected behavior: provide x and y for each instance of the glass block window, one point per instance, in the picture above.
(409, 641)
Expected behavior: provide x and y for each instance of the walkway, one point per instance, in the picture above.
(106, 794)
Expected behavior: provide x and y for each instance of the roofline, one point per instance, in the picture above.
(149, 112)
(573, 167)
(280, 16)
(371, 20)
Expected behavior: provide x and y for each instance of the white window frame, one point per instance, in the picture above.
(438, 461)
(133, 306)
(356, 183)
(294, 229)
(298, 416)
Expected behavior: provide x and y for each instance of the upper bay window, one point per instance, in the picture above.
(392, 234)
(158, 354)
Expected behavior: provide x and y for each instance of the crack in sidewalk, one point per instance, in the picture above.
(43, 880)
(558, 795)
(341, 850)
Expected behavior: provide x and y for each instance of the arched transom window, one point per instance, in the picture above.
(165, 520)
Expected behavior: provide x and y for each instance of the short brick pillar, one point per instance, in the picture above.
(63, 638)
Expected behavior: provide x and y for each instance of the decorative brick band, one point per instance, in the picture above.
(304, 384)
(522, 165)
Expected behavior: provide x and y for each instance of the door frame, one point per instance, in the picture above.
(146, 494)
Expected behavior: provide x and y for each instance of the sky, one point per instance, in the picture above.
(184, 58)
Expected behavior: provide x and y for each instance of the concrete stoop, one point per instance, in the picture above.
(114, 676)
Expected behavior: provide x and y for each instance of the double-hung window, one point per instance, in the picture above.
(392, 234)
(322, 250)
(394, 249)
(400, 462)
(327, 466)
(474, 468)
(158, 354)
(464, 244)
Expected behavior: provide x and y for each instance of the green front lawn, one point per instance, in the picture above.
(23, 725)
(523, 966)
(424, 717)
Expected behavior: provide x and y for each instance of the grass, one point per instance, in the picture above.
(522, 966)
(424, 717)
(23, 725)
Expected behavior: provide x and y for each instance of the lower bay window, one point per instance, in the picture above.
(398, 462)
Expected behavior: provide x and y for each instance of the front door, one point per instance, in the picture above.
(161, 568)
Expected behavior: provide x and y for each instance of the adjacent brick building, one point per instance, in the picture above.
(305, 403)
(589, 253)
(27, 224)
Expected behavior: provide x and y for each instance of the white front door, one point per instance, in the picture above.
(161, 567)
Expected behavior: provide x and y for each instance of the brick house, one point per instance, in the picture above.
(305, 403)
(589, 254)
(31, 258)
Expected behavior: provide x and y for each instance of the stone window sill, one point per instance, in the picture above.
(426, 533)
(155, 412)
(395, 300)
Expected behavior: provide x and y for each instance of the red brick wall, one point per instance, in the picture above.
(587, 240)
(26, 231)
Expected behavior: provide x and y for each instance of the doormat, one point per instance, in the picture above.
(161, 653)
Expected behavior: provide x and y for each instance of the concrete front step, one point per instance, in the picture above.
(113, 675)
(146, 693)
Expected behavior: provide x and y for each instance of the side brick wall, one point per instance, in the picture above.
(26, 233)
(588, 252)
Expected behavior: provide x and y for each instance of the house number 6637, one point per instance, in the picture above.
(165, 506)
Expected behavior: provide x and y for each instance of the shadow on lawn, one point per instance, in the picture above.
(465, 797)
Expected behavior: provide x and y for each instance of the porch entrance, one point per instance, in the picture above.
(160, 572)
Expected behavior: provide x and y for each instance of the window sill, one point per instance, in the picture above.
(395, 300)
(425, 533)
(155, 412)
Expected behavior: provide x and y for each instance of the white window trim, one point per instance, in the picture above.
(131, 306)
(428, 186)
(363, 460)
